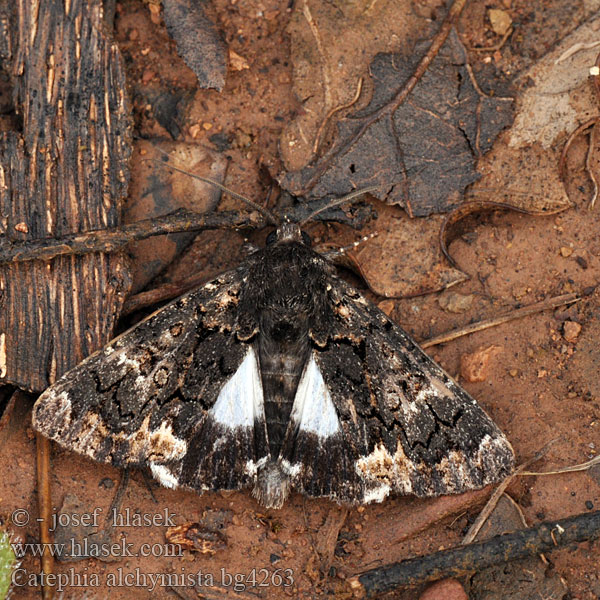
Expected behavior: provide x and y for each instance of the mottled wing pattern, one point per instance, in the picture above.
(150, 397)
(405, 425)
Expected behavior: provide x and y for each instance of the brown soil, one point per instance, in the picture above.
(542, 385)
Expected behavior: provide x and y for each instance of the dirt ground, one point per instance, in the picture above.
(540, 383)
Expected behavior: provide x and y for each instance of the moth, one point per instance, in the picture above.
(279, 376)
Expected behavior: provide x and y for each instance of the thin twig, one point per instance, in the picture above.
(115, 505)
(44, 450)
(110, 240)
(572, 469)
(333, 111)
(510, 316)
(574, 49)
(328, 535)
(497, 46)
(588, 167)
(315, 31)
(162, 293)
(562, 163)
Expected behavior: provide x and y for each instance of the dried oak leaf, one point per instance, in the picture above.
(405, 258)
(331, 46)
(198, 41)
(422, 150)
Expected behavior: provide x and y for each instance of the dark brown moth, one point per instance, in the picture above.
(277, 376)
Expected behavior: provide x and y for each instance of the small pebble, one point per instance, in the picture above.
(147, 76)
(446, 589)
(237, 62)
(500, 20)
(455, 302)
(475, 366)
(571, 331)
(107, 483)
(387, 306)
(566, 251)
(581, 262)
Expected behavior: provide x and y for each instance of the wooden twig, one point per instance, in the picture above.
(570, 469)
(44, 449)
(214, 592)
(162, 293)
(574, 49)
(319, 42)
(562, 162)
(518, 313)
(104, 537)
(330, 114)
(497, 46)
(109, 240)
(588, 165)
(328, 536)
(461, 560)
(479, 207)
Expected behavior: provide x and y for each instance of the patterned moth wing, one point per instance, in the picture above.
(403, 425)
(149, 398)
(277, 375)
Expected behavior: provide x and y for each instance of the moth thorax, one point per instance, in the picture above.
(272, 486)
(286, 324)
(284, 332)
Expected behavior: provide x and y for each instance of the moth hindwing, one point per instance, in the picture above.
(277, 375)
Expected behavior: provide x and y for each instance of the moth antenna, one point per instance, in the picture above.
(261, 209)
(338, 201)
(344, 249)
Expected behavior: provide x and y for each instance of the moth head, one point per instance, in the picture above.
(289, 232)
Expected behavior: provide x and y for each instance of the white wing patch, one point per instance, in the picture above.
(164, 476)
(313, 409)
(240, 403)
